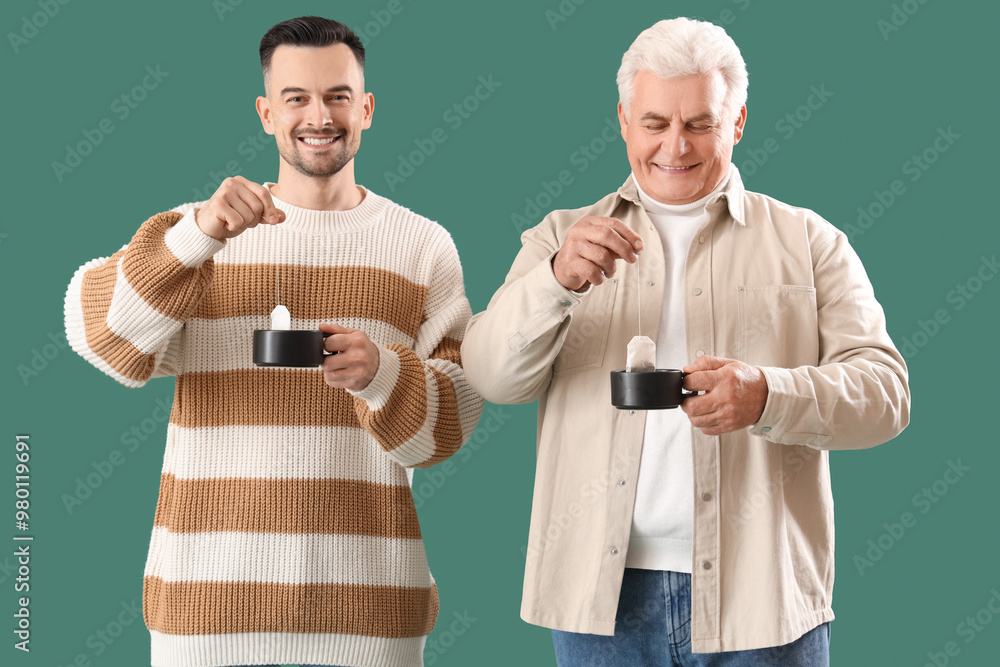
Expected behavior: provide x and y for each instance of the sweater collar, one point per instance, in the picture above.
(312, 221)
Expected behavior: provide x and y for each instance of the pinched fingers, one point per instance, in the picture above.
(615, 235)
(591, 248)
(258, 198)
(238, 204)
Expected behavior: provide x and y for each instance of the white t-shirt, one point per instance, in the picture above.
(660, 538)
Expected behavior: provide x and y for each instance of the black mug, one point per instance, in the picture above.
(302, 348)
(660, 389)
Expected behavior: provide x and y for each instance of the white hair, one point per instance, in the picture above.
(681, 47)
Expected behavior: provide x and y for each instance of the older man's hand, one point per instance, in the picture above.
(590, 250)
(735, 398)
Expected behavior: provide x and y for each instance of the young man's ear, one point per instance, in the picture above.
(264, 111)
(369, 110)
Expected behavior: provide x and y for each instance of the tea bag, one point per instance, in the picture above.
(641, 351)
(281, 318)
(641, 355)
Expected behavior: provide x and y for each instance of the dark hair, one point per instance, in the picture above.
(308, 31)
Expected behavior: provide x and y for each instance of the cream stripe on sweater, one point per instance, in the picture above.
(285, 529)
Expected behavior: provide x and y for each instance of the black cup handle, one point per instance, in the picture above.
(324, 350)
(687, 394)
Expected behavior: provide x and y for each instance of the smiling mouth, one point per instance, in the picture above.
(675, 170)
(318, 142)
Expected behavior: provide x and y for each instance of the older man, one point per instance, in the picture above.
(662, 537)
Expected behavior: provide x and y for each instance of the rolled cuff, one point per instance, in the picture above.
(191, 246)
(378, 391)
(782, 400)
(551, 303)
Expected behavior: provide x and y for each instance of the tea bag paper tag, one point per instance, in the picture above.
(641, 355)
(281, 318)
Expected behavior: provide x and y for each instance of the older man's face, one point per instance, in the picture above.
(678, 138)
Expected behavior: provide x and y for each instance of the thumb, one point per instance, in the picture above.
(275, 214)
(333, 328)
(706, 363)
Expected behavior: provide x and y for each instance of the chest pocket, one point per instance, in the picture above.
(778, 325)
(587, 338)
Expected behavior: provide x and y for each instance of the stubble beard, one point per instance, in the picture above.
(293, 156)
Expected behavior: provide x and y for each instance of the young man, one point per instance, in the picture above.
(285, 530)
(702, 536)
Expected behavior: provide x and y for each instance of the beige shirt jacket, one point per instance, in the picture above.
(772, 285)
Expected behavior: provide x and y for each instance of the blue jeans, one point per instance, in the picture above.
(653, 627)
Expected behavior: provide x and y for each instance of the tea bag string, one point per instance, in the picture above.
(638, 298)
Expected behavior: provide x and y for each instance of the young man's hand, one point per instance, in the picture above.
(236, 206)
(356, 361)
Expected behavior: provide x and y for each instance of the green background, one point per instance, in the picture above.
(891, 93)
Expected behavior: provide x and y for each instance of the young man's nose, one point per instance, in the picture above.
(318, 115)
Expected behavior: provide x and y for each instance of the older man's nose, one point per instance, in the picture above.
(674, 143)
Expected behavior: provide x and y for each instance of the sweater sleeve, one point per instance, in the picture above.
(419, 406)
(124, 313)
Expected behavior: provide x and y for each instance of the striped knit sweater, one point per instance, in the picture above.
(285, 530)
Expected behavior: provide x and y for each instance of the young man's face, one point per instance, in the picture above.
(678, 137)
(316, 93)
